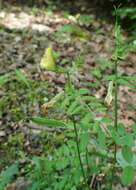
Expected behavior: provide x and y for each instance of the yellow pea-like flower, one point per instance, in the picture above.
(47, 61)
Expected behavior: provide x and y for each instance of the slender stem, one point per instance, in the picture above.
(76, 135)
(117, 55)
(116, 105)
(115, 116)
(116, 96)
(69, 81)
(78, 150)
(87, 160)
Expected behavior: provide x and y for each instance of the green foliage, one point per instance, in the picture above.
(3, 79)
(75, 31)
(127, 153)
(85, 20)
(49, 122)
(127, 12)
(7, 175)
(128, 175)
(89, 149)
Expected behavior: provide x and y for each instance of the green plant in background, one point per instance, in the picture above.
(8, 174)
(127, 13)
(74, 31)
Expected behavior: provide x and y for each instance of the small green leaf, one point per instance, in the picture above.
(128, 140)
(72, 107)
(96, 72)
(127, 175)
(129, 78)
(77, 110)
(22, 77)
(101, 139)
(83, 91)
(127, 154)
(110, 77)
(50, 122)
(123, 82)
(84, 140)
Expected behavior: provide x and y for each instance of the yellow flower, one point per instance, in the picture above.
(47, 61)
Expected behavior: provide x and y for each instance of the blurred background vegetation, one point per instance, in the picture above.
(126, 11)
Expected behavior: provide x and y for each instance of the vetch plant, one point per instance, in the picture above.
(97, 153)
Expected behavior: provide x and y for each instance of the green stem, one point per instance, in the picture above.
(116, 105)
(116, 59)
(87, 160)
(78, 150)
(76, 134)
(115, 116)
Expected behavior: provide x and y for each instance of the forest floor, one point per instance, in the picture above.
(24, 35)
